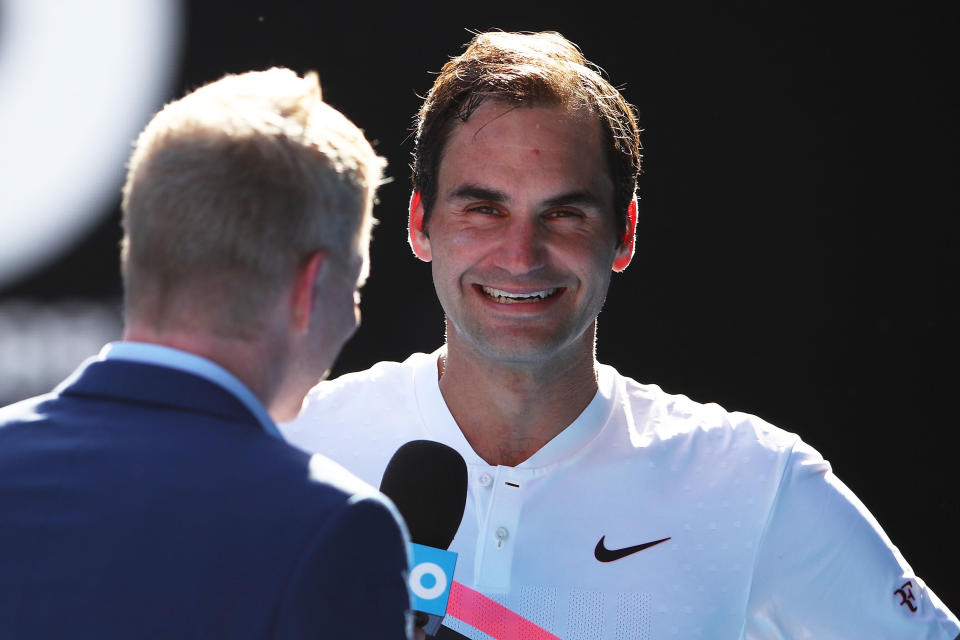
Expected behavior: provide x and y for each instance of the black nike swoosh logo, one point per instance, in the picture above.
(603, 554)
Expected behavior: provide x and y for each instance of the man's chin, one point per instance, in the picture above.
(520, 345)
(520, 351)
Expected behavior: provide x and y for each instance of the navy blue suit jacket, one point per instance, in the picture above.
(139, 501)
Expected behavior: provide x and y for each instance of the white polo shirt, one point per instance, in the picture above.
(650, 516)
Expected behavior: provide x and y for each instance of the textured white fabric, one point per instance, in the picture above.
(764, 541)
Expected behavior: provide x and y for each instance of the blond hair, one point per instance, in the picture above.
(242, 179)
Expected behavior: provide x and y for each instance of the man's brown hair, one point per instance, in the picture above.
(526, 69)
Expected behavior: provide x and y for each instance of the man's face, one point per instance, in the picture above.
(338, 301)
(521, 235)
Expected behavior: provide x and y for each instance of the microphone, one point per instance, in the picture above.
(427, 481)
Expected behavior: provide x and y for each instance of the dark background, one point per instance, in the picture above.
(795, 257)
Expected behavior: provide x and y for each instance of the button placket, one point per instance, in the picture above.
(498, 540)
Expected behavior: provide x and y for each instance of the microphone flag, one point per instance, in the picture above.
(431, 577)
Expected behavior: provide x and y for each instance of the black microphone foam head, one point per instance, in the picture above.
(428, 483)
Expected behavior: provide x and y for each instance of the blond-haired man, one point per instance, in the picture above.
(150, 495)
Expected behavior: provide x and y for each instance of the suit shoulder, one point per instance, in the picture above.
(349, 579)
(314, 488)
(25, 411)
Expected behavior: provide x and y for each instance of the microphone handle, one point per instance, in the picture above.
(446, 633)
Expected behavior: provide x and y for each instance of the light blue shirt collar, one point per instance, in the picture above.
(197, 365)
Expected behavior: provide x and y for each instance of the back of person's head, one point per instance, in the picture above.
(525, 69)
(232, 186)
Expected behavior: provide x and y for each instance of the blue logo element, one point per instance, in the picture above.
(430, 578)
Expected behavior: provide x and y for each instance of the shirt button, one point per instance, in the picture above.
(485, 480)
(502, 534)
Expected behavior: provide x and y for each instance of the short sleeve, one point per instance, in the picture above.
(825, 568)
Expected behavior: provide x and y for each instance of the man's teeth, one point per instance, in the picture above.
(514, 298)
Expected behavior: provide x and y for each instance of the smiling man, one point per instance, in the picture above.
(521, 241)
(598, 507)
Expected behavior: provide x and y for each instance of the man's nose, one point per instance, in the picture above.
(523, 245)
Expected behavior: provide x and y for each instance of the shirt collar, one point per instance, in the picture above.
(442, 426)
(191, 363)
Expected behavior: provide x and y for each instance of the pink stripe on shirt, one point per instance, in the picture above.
(491, 617)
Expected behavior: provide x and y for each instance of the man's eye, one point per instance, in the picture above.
(563, 213)
(484, 209)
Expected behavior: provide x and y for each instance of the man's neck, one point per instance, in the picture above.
(246, 359)
(506, 411)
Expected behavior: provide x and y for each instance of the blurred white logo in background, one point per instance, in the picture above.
(78, 80)
(40, 344)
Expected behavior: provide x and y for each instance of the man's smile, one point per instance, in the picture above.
(526, 297)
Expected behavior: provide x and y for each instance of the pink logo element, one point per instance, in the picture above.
(906, 595)
(491, 617)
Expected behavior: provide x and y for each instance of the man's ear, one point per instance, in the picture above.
(419, 240)
(304, 290)
(627, 242)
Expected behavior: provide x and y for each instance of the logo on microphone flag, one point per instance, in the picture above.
(431, 575)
